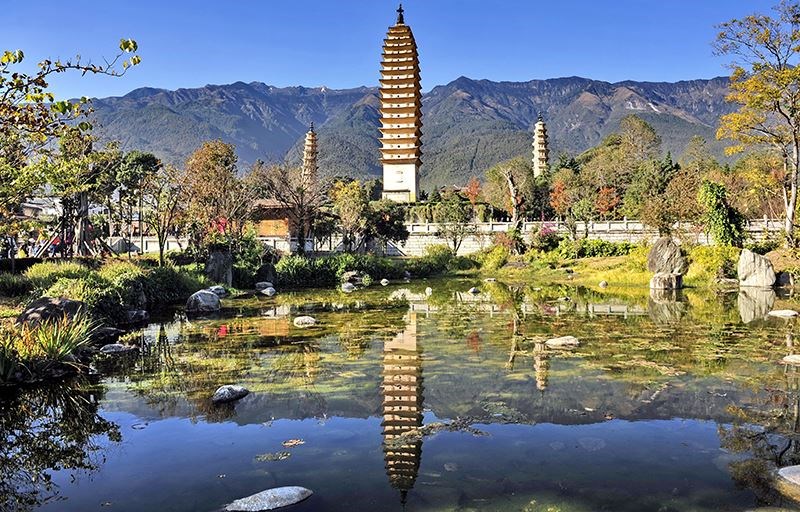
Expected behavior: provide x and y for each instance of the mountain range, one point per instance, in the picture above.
(468, 125)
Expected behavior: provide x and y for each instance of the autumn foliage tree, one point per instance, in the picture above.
(765, 85)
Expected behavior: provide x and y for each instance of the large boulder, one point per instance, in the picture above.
(563, 342)
(665, 281)
(47, 309)
(219, 267)
(218, 290)
(755, 270)
(353, 276)
(203, 301)
(270, 499)
(665, 257)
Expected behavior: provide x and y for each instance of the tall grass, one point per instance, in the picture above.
(59, 339)
(14, 285)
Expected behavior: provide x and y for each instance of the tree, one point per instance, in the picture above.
(724, 222)
(31, 116)
(163, 193)
(135, 169)
(454, 218)
(386, 223)
(511, 186)
(473, 190)
(350, 205)
(304, 201)
(765, 84)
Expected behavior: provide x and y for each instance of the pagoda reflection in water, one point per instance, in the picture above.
(402, 407)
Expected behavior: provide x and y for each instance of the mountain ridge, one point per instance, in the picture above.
(468, 124)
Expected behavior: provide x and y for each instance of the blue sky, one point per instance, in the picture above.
(337, 42)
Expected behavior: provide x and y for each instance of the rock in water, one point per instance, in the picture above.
(229, 393)
(46, 309)
(305, 321)
(563, 342)
(662, 281)
(384, 282)
(263, 285)
(203, 301)
(117, 349)
(428, 291)
(218, 290)
(783, 313)
(788, 482)
(755, 270)
(269, 291)
(792, 359)
(270, 499)
(665, 257)
(603, 284)
(348, 287)
(474, 291)
(137, 316)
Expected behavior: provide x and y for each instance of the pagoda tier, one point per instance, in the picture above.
(401, 113)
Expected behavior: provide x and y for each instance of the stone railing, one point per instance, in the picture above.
(422, 235)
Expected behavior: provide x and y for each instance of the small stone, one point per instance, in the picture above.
(348, 287)
(229, 393)
(490, 280)
(117, 349)
(305, 321)
(384, 282)
(136, 316)
(603, 284)
(429, 291)
(269, 291)
(563, 342)
(263, 285)
(783, 313)
(788, 481)
(218, 290)
(474, 291)
(793, 359)
(270, 499)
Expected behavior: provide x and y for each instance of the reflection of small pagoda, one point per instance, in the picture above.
(402, 407)
(541, 365)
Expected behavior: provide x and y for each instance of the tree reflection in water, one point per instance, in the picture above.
(44, 430)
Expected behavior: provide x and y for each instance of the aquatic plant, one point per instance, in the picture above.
(59, 339)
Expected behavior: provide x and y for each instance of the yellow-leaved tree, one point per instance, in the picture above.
(765, 84)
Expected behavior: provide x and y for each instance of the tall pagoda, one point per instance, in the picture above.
(541, 151)
(402, 407)
(309, 172)
(401, 115)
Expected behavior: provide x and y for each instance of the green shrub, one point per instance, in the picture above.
(366, 280)
(544, 240)
(708, 262)
(168, 285)
(102, 298)
(439, 255)
(462, 263)
(764, 246)
(44, 275)
(493, 258)
(592, 248)
(14, 285)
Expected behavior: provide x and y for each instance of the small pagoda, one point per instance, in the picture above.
(541, 151)
(310, 152)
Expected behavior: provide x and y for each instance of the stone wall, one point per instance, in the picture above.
(424, 235)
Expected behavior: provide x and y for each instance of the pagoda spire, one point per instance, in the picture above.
(401, 113)
(310, 153)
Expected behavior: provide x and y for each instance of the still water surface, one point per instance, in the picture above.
(408, 401)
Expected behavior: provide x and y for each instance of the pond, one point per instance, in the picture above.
(402, 398)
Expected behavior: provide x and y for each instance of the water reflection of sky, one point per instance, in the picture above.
(636, 418)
